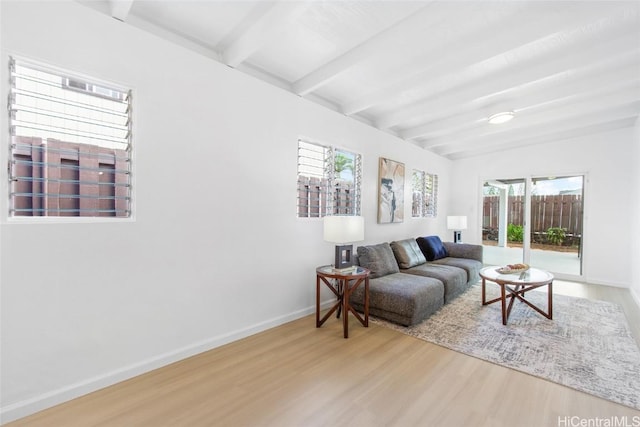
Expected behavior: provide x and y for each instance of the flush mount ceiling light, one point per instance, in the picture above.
(503, 117)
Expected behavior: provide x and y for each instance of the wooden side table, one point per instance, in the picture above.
(342, 289)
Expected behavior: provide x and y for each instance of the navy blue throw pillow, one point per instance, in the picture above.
(432, 247)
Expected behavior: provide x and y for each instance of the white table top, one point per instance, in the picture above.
(528, 277)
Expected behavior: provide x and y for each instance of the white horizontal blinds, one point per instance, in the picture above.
(70, 152)
(347, 179)
(431, 199)
(424, 194)
(328, 181)
(417, 193)
(315, 169)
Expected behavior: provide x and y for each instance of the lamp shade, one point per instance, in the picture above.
(343, 228)
(457, 222)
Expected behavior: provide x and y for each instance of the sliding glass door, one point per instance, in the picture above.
(556, 224)
(535, 220)
(503, 221)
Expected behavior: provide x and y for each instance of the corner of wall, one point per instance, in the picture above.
(635, 226)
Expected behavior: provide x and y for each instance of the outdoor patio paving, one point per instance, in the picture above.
(565, 263)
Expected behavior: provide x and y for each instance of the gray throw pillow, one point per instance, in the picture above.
(379, 259)
(408, 253)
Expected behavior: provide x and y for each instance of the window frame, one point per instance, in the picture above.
(7, 140)
(427, 188)
(328, 192)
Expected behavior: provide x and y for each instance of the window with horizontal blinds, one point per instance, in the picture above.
(70, 145)
(431, 192)
(328, 181)
(314, 171)
(424, 195)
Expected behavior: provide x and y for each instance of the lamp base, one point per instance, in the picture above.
(344, 257)
(457, 237)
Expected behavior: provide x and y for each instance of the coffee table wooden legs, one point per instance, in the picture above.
(505, 311)
(517, 291)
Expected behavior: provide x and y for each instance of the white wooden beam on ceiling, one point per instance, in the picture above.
(545, 123)
(378, 43)
(557, 135)
(567, 68)
(531, 39)
(120, 8)
(566, 86)
(173, 37)
(264, 29)
(489, 93)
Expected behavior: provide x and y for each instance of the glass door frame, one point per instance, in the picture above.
(526, 238)
(528, 188)
(505, 211)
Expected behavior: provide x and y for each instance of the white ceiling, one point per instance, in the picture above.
(430, 72)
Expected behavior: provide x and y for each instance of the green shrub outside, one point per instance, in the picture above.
(556, 235)
(515, 233)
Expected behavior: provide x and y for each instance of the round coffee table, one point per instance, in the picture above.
(514, 286)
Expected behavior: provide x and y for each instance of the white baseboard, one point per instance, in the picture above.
(606, 282)
(46, 400)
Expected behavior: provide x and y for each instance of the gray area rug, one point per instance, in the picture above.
(587, 346)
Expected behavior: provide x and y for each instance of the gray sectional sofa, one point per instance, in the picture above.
(412, 278)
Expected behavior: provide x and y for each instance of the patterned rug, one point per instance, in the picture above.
(587, 346)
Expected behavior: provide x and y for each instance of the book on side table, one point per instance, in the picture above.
(346, 270)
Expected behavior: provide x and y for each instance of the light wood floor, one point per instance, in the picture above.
(297, 375)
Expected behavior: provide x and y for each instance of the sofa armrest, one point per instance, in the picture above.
(464, 250)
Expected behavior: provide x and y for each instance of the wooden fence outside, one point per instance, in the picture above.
(562, 211)
(313, 202)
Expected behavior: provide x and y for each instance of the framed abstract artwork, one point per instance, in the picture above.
(390, 191)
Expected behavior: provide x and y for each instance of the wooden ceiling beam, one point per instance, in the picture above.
(264, 29)
(526, 92)
(531, 41)
(605, 124)
(374, 45)
(542, 126)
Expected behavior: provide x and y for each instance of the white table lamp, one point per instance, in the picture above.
(457, 224)
(343, 229)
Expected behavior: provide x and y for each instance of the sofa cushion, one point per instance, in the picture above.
(401, 298)
(378, 258)
(471, 266)
(432, 247)
(464, 250)
(407, 253)
(453, 278)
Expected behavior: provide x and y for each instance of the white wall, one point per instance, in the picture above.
(86, 305)
(206, 269)
(605, 159)
(634, 236)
